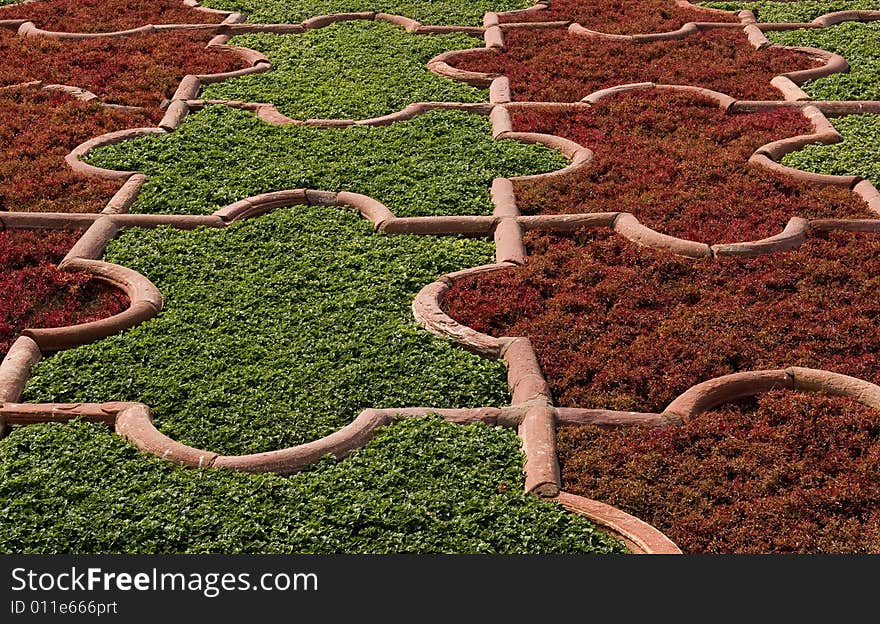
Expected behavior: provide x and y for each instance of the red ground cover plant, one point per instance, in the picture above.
(783, 473)
(623, 17)
(620, 326)
(37, 130)
(553, 66)
(680, 165)
(106, 15)
(140, 70)
(34, 293)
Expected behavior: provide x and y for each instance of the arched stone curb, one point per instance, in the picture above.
(640, 537)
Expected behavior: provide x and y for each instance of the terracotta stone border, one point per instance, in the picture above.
(532, 411)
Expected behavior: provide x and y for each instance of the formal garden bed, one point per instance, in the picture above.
(783, 473)
(141, 70)
(350, 70)
(439, 163)
(620, 326)
(653, 150)
(429, 12)
(39, 129)
(36, 294)
(285, 320)
(784, 11)
(554, 66)
(95, 16)
(624, 17)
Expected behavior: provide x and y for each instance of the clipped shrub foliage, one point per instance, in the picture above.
(140, 70)
(783, 473)
(38, 129)
(421, 486)
(624, 17)
(440, 12)
(350, 70)
(278, 331)
(620, 326)
(34, 293)
(552, 66)
(680, 165)
(105, 15)
(439, 163)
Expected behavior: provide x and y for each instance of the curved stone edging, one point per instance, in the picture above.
(640, 537)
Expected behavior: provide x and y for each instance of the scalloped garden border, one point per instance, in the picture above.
(531, 411)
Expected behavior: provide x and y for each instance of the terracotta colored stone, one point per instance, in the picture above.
(15, 368)
(792, 237)
(509, 243)
(338, 444)
(407, 23)
(608, 418)
(631, 228)
(125, 196)
(135, 424)
(92, 244)
(538, 434)
(813, 380)
(714, 392)
(567, 222)
(640, 536)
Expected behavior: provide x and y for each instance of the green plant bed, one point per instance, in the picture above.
(278, 331)
(421, 485)
(439, 12)
(857, 154)
(787, 11)
(351, 70)
(439, 163)
(858, 43)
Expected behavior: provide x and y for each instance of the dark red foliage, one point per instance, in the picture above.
(623, 16)
(553, 66)
(140, 70)
(620, 326)
(37, 130)
(680, 165)
(34, 293)
(106, 15)
(786, 473)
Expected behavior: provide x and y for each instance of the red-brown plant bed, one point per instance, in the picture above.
(37, 130)
(680, 165)
(34, 293)
(106, 15)
(622, 17)
(553, 66)
(140, 70)
(620, 326)
(783, 473)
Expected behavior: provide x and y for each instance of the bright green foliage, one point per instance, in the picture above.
(858, 43)
(786, 11)
(351, 70)
(421, 485)
(429, 12)
(439, 163)
(278, 331)
(857, 154)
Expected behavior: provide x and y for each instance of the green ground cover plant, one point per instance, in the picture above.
(439, 163)
(421, 485)
(857, 154)
(782, 11)
(350, 70)
(278, 331)
(858, 43)
(442, 12)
